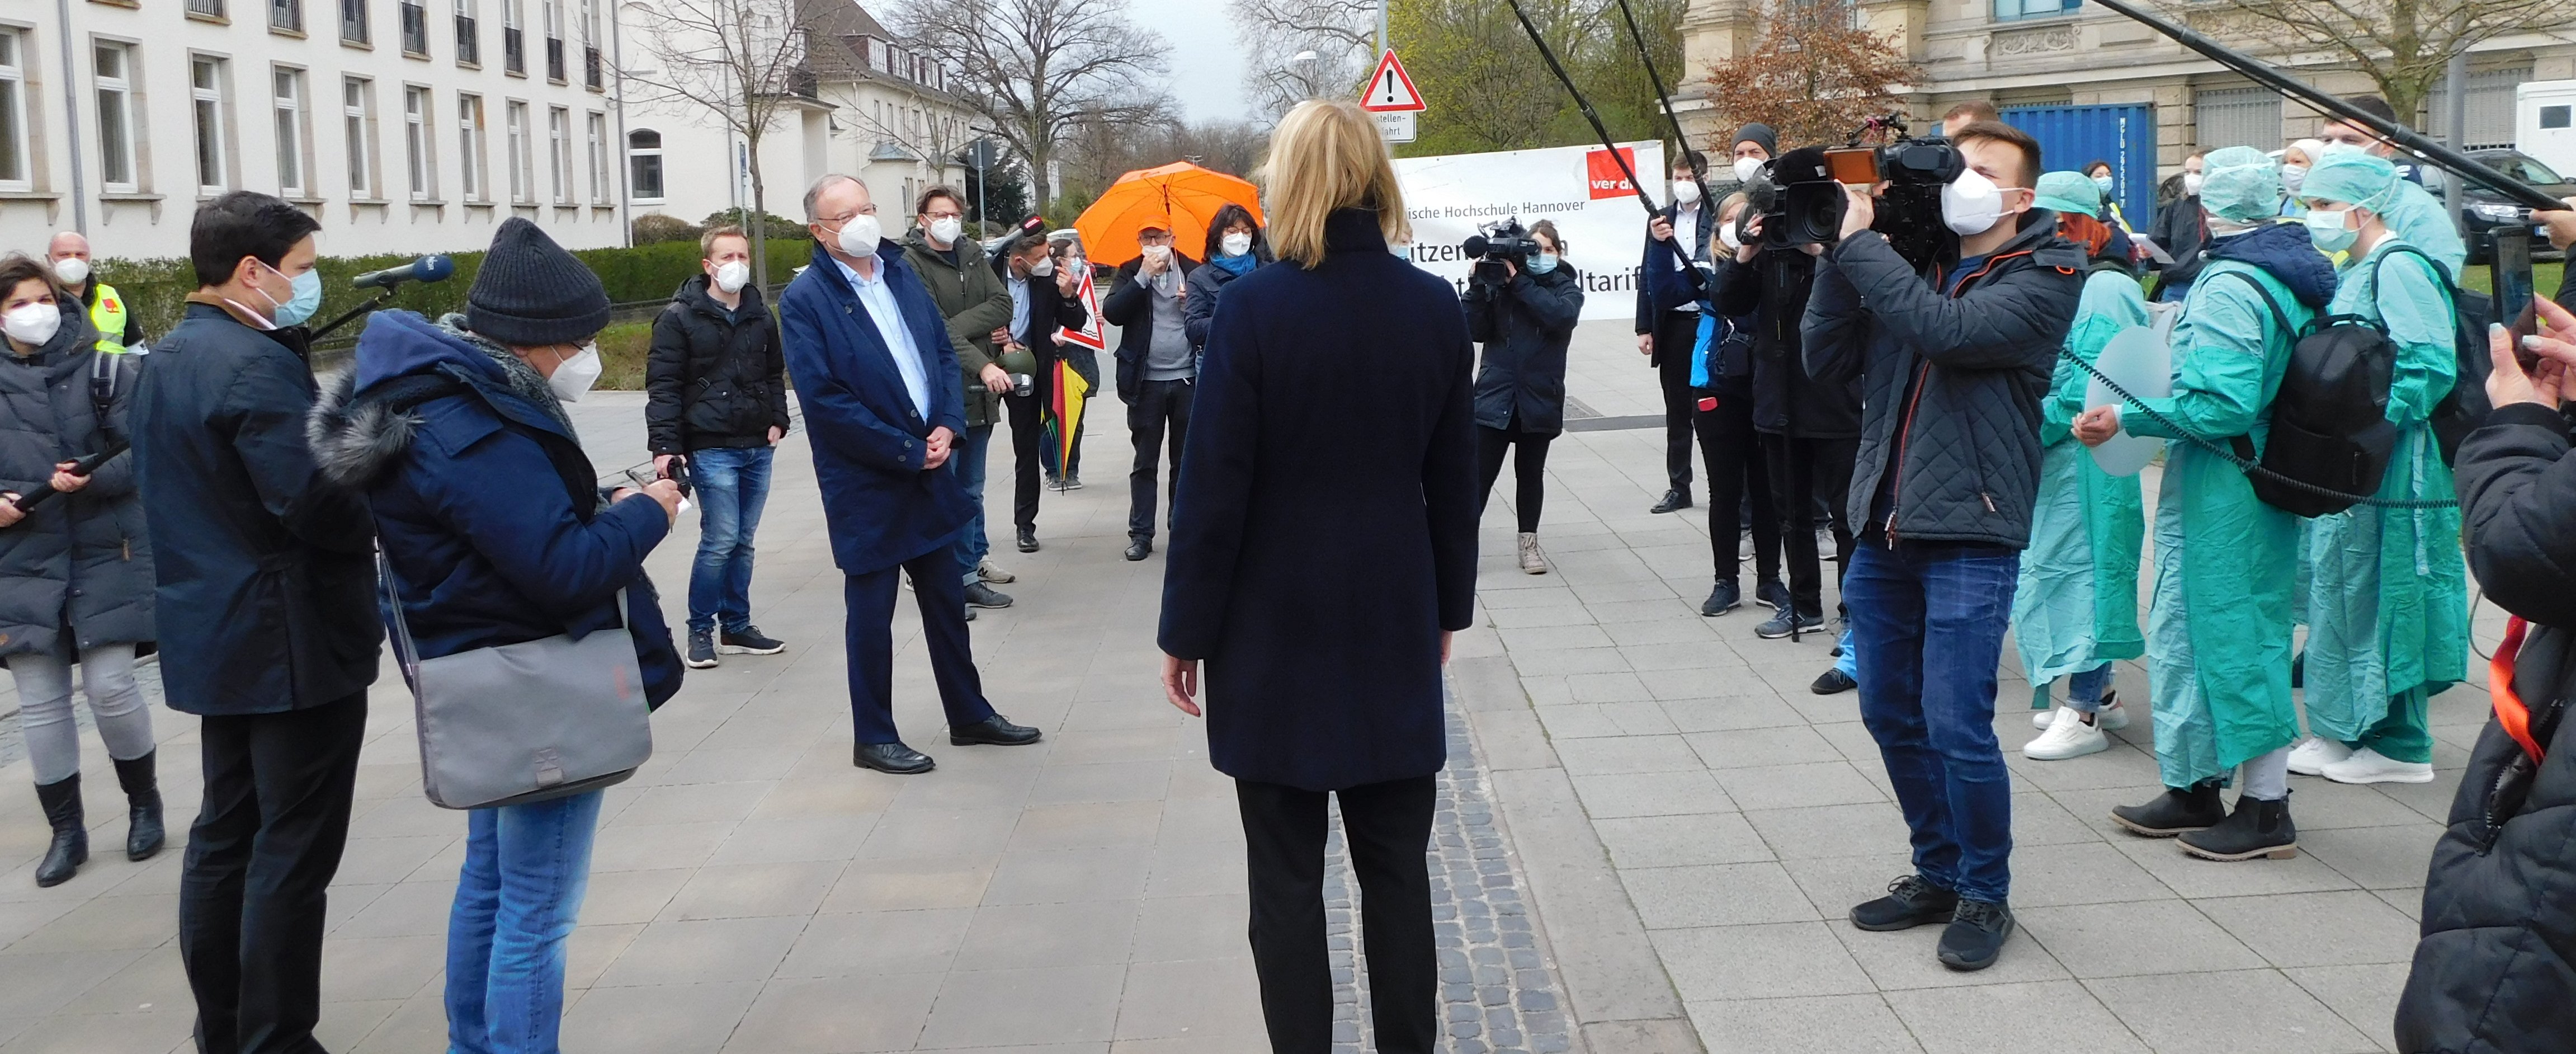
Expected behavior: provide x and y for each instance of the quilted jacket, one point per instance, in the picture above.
(1965, 444)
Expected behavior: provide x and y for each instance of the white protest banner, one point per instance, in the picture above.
(1448, 198)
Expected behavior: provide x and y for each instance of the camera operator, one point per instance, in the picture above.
(1524, 316)
(1666, 337)
(1954, 358)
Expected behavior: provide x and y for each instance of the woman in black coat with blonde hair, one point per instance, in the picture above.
(1323, 549)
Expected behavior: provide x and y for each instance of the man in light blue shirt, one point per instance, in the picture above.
(877, 378)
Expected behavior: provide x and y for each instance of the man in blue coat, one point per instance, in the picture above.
(869, 353)
(267, 614)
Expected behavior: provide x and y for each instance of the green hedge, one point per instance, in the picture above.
(157, 289)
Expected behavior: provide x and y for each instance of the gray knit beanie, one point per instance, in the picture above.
(531, 293)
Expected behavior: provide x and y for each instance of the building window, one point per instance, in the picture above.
(599, 190)
(287, 15)
(594, 75)
(554, 41)
(522, 167)
(289, 113)
(2489, 102)
(206, 103)
(417, 140)
(206, 8)
(110, 66)
(469, 38)
(644, 165)
(469, 148)
(2008, 10)
(559, 152)
(514, 40)
(2238, 117)
(358, 121)
(15, 169)
(353, 22)
(415, 28)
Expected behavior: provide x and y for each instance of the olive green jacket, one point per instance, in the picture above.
(976, 303)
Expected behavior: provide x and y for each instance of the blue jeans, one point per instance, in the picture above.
(1928, 622)
(969, 455)
(2084, 688)
(525, 869)
(733, 485)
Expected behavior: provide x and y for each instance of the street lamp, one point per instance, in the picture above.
(1305, 65)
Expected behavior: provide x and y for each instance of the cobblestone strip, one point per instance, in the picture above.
(1498, 995)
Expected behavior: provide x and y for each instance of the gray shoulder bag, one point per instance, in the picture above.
(520, 723)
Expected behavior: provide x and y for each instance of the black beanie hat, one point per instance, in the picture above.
(1759, 133)
(531, 293)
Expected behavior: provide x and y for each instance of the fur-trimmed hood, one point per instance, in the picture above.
(365, 417)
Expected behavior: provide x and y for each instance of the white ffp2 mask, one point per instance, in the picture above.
(732, 275)
(32, 324)
(573, 379)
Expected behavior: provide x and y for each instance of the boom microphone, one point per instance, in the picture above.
(431, 268)
(1476, 245)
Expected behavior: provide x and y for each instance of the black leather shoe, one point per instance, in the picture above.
(1910, 902)
(1139, 548)
(1725, 597)
(1028, 540)
(2173, 812)
(1833, 682)
(1675, 500)
(1976, 935)
(994, 731)
(2256, 828)
(894, 758)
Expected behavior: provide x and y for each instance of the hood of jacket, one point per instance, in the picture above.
(356, 431)
(2284, 251)
(2037, 235)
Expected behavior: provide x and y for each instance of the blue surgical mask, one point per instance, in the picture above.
(2326, 228)
(2103, 182)
(306, 299)
(1542, 263)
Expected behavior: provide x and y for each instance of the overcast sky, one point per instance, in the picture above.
(1207, 64)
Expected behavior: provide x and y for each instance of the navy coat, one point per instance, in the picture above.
(267, 574)
(1525, 329)
(1325, 531)
(869, 440)
(1661, 257)
(486, 506)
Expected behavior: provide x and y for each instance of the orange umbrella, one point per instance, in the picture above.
(1179, 197)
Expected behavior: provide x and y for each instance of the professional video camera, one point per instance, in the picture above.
(1502, 241)
(1800, 196)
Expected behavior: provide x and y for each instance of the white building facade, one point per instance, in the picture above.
(402, 125)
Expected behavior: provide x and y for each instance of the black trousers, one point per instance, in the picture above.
(1160, 415)
(868, 603)
(1528, 451)
(1026, 456)
(251, 889)
(1388, 828)
(1739, 484)
(1675, 335)
(1802, 472)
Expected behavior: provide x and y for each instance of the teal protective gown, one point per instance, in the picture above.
(2417, 218)
(2077, 605)
(2388, 594)
(2218, 628)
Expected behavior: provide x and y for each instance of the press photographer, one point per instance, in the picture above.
(1954, 353)
(1522, 303)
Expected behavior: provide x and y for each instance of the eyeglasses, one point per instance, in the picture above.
(945, 215)
(835, 221)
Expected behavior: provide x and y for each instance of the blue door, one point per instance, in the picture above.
(2071, 137)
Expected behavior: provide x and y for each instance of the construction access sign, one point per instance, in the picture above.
(1450, 197)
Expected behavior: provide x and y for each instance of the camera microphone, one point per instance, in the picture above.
(432, 268)
(1476, 245)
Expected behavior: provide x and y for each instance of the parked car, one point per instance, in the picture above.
(2482, 209)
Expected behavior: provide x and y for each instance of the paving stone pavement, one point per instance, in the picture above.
(1678, 823)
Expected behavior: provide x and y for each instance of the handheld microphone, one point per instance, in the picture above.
(431, 268)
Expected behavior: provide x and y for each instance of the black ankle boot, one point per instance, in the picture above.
(143, 834)
(70, 850)
(2256, 828)
(2177, 810)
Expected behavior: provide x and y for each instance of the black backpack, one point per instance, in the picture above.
(2465, 406)
(2331, 437)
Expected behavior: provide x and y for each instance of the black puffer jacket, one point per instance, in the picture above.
(77, 572)
(1952, 383)
(713, 378)
(2496, 970)
(1786, 400)
(1525, 329)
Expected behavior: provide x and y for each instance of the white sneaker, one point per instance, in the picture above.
(2111, 718)
(2312, 756)
(992, 574)
(2370, 766)
(2069, 736)
(2041, 719)
(1533, 559)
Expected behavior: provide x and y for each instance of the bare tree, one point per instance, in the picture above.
(1035, 68)
(2403, 46)
(1304, 49)
(1813, 76)
(738, 60)
(929, 128)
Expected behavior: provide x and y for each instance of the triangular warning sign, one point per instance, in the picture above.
(1390, 89)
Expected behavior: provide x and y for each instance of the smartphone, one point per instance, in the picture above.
(2511, 278)
(641, 475)
(1857, 166)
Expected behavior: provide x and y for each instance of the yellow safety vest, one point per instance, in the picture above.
(108, 314)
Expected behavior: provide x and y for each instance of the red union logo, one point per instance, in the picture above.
(1603, 175)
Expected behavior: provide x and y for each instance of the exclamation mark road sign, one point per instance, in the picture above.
(1393, 98)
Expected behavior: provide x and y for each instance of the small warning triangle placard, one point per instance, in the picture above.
(1390, 89)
